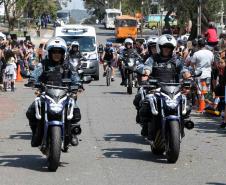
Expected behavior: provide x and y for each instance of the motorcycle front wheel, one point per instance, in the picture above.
(130, 84)
(173, 141)
(158, 147)
(55, 142)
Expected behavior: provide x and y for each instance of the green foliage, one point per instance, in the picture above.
(44, 6)
(34, 8)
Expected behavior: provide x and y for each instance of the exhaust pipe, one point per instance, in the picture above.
(189, 124)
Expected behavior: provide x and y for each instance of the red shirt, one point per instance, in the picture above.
(211, 35)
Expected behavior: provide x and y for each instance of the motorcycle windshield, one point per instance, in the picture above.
(171, 89)
(55, 94)
(74, 62)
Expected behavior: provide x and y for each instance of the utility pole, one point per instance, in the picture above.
(120, 5)
(199, 18)
(222, 12)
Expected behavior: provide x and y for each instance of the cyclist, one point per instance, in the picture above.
(108, 56)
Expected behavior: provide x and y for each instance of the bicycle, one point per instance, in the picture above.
(108, 73)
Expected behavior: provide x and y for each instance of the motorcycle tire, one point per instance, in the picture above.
(55, 142)
(130, 84)
(173, 141)
(108, 76)
(158, 147)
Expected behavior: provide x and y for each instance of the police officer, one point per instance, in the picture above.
(74, 51)
(52, 70)
(165, 67)
(128, 51)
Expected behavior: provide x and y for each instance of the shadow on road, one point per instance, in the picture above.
(97, 85)
(130, 138)
(206, 124)
(21, 135)
(116, 93)
(106, 34)
(31, 162)
(216, 183)
(133, 153)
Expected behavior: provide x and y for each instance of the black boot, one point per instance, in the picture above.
(5, 86)
(144, 130)
(138, 118)
(12, 86)
(34, 142)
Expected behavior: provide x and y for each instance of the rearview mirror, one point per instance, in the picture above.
(187, 83)
(87, 79)
(66, 80)
(74, 87)
(80, 71)
(153, 82)
(197, 73)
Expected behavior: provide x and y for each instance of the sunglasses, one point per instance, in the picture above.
(56, 51)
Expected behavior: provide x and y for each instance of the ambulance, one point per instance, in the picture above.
(86, 37)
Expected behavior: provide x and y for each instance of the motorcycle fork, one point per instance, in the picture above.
(164, 122)
(46, 128)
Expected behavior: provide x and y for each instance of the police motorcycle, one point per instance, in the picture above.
(165, 111)
(129, 63)
(54, 107)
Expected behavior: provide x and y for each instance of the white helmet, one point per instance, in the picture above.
(58, 43)
(152, 40)
(128, 40)
(75, 43)
(166, 40)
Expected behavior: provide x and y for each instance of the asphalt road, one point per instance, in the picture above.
(111, 150)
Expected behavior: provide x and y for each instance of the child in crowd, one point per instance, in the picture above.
(9, 75)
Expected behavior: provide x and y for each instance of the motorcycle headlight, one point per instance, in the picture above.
(131, 62)
(171, 103)
(57, 108)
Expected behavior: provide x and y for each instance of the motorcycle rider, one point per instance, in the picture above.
(165, 67)
(109, 56)
(51, 71)
(74, 51)
(151, 47)
(128, 51)
(74, 59)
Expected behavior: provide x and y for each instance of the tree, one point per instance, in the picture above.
(13, 10)
(97, 7)
(187, 10)
(40, 7)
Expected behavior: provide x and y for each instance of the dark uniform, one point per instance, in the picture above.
(50, 73)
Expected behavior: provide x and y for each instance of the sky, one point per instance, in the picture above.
(75, 4)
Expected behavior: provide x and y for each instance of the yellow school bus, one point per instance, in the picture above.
(125, 26)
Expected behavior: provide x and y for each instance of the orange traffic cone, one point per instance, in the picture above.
(18, 75)
(202, 104)
(204, 89)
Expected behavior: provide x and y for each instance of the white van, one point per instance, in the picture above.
(109, 18)
(86, 36)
